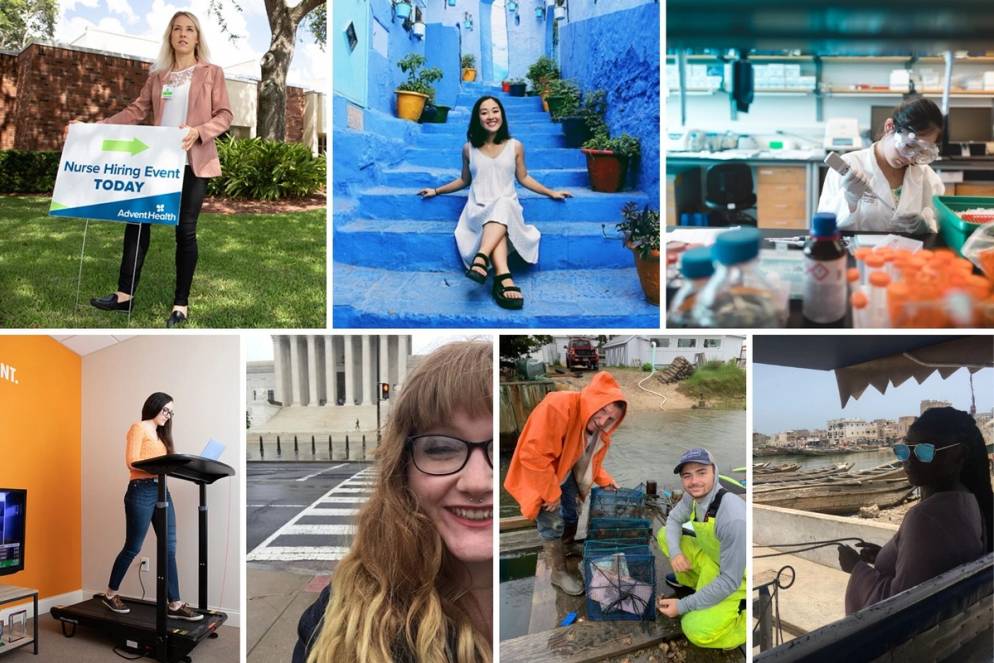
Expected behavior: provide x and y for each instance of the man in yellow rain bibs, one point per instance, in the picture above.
(712, 562)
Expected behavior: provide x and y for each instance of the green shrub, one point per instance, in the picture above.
(22, 171)
(624, 145)
(419, 77)
(568, 95)
(267, 170)
(647, 367)
(468, 61)
(541, 72)
(640, 228)
(593, 110)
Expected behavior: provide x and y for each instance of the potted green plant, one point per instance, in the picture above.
(416, 91)
(608, 159)
(564, 98)
(540, 73)
(434, 114)
(468, 64)
(640, 230)
(587, 121)
(517, 87)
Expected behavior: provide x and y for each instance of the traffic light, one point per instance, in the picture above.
(384, 391)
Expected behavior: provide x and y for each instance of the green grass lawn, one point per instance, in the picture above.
(717, 381)
(254, 270)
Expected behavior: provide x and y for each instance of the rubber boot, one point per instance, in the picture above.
(570, 546)
(561, 578)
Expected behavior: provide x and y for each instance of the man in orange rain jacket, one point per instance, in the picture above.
(558, 457)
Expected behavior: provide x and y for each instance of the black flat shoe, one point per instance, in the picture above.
(110, 303)
(175, 320)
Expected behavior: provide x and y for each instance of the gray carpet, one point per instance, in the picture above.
(89, 646)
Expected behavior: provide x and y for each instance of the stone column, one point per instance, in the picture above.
(294, 370)
(312, 371)
(366, 378)
(384, 367)
(278, 367)
(403, 349)
(330, 372)
(349, 371)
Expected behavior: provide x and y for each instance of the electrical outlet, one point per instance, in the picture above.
(144, 564)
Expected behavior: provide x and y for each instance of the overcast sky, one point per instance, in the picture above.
(259, 347)
(790, 398)
(148, 18)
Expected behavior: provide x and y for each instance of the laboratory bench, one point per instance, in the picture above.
(788, 185)
(795, 318)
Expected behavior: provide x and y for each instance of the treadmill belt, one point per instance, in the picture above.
(142, 616)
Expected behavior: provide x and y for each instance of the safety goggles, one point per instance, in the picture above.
(440, 455)
(914, 150)
(924, 451)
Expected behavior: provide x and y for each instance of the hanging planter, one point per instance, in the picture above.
(403, 9)
(560, 13)
(512, 6)
(418, 30)
(539, 13)
(452, 3)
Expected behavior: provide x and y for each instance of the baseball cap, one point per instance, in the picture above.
(698, 455)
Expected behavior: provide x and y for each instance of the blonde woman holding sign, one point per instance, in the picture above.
(183, 90)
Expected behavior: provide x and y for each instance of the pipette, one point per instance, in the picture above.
(838, 164)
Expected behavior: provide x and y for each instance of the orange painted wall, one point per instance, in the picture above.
(40, 451)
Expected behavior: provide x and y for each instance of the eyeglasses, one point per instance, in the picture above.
(916, 151)
(169, 413)
(924, 451)
(440, 455)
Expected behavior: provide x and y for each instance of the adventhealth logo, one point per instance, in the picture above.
(7, 372)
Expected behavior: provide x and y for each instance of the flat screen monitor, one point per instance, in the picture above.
(878, 116)
(13, 507)
(970, 125)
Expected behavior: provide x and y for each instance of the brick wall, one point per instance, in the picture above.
(46, 86)
(8, 94)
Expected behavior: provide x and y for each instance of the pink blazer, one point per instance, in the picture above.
(209, 112)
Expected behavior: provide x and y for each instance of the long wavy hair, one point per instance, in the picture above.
(151, 409)
(947, 425)
(167, 57)
(399, 594)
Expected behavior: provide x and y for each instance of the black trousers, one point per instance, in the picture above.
(137, 237)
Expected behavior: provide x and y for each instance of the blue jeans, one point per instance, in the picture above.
(551, 523)
(139, 511)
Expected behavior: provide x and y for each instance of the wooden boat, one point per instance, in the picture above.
(840, 497)
(773, 468)
(835, 469)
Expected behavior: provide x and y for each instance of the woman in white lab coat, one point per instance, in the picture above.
(895, 169)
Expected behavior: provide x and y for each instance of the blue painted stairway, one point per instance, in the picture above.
(395, 258)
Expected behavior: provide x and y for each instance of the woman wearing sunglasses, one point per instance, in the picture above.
(416, 585)
(896, 173)
(148, 438)
(945, 457)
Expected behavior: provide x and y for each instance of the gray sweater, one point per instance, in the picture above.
(730, 528)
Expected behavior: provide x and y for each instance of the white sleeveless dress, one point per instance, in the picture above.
(493, 197)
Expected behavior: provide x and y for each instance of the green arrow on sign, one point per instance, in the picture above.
(133, 146)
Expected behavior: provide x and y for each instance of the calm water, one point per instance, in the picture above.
(646, 447)
(863, 461)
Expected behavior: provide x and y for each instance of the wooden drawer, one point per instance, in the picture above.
(789, 175)
(781, 193)
(781, 214)
(974, 189)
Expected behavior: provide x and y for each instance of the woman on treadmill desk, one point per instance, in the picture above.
(895, 169)
(148, 438)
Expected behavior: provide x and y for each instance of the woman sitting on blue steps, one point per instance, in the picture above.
(491, 225)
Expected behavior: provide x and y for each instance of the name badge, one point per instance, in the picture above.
(167, 92)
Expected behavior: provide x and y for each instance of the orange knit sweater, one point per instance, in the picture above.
(140, 446)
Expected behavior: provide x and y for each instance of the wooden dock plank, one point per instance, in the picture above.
(525, 540)
(586, 642)
(512, 523)
(543, 613)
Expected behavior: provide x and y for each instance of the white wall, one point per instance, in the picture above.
(203, 375)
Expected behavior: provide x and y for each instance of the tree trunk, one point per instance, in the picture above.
(271, 109)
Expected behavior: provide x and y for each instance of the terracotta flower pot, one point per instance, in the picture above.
(606, 170)
(469, 74)
(410, 104)
(505, 86)
(648, 270)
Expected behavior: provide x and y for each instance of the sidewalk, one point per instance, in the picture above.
(276, 600)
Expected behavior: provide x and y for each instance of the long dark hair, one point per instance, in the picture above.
(476, 134)
(918, 115)
(947, 425)
(151, 409)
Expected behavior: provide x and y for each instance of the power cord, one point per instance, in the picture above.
(810, 545)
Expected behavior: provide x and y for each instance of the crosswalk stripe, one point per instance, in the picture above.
(316, 511)
(340, 500)
(298, 553)
(318, 529)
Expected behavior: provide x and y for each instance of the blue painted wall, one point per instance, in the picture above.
(486, 60)
(439, 12)
(442, 51)
(525, 39)
(389, 43)
(618, 51)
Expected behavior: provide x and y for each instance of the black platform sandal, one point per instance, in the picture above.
(499, 289)
(474, 275)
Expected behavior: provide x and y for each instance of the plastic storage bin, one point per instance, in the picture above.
(953, 229)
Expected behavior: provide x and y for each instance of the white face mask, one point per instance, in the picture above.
(914, 150)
